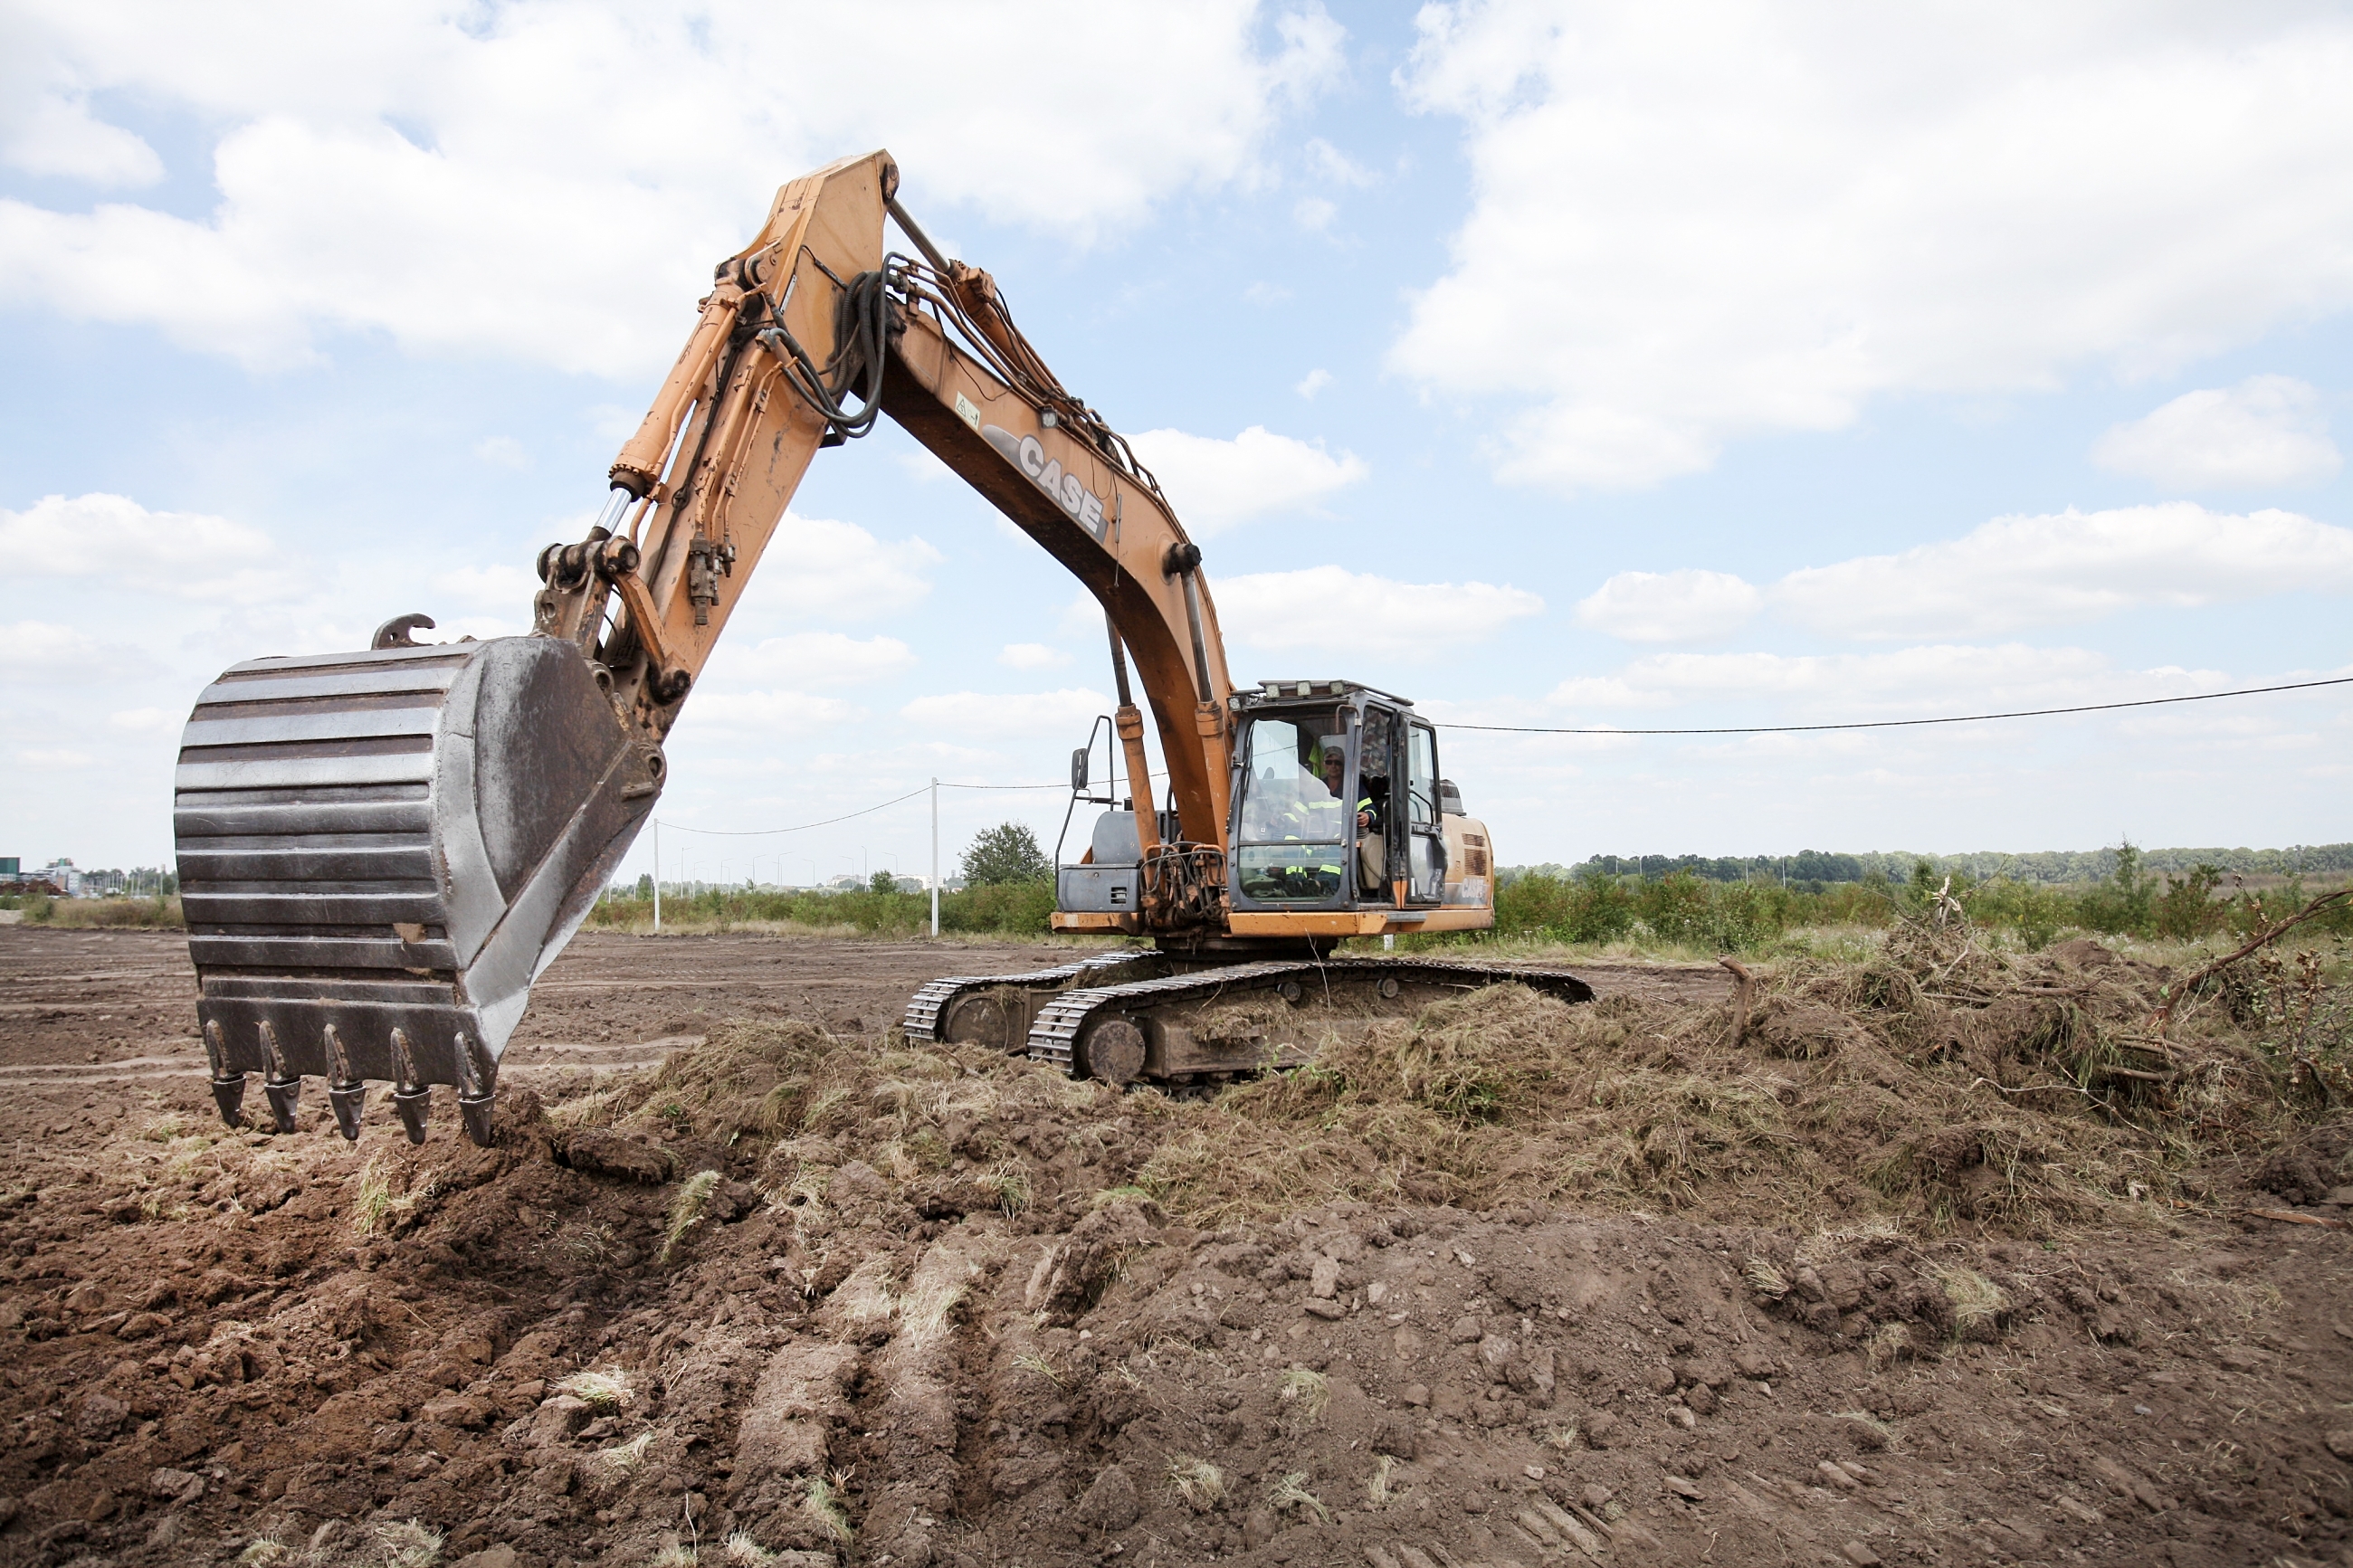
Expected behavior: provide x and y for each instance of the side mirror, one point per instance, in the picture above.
(1450, 799)
(1079, 770)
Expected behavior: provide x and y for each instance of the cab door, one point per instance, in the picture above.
(1425, 829)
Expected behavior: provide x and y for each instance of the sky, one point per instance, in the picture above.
(1643, 366)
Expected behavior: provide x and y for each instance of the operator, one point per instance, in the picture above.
(1372, 858)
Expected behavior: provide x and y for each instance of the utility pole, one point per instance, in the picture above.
(658, 876)
(935, 857)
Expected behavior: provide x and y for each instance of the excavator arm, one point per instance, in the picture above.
(381, 851)
(807, 332)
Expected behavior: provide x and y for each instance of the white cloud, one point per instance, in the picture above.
(1688, 605)
(2267, 430)
(1068, 710)
(496, 587)
(1216, 484)
(1083, 618)
(2069, 566)
(1330, 164)
(144, 721)
(813, 659)
(502, 452)
(1693, 222)
(1330, 610)
(41, 645)
(411, 170)
(1315, 214)
(764, 715)
(183, 554)
(923, 467)
(836, 571)
(1932, 679)
(1033, 655)
(53, 134)
(1313, 382)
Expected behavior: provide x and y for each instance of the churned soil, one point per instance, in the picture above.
(1941, 1259)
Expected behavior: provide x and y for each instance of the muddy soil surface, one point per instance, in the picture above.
(798, 1297)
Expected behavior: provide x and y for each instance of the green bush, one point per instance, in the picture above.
(1016, 908)
(1592, 909)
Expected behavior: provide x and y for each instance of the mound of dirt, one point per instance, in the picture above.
(1918, 1261)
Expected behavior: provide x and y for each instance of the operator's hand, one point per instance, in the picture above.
(1363, 821)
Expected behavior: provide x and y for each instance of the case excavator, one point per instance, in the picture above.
(380, 851)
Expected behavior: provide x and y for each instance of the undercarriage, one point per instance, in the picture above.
(1178, 1018)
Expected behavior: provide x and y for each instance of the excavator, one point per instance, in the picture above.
(380, 851)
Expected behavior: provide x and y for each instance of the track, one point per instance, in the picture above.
(1061, 1028)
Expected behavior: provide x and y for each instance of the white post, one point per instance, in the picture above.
(658, 876)
(935, 857)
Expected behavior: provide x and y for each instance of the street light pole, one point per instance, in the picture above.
(935, 857)
(658, 876)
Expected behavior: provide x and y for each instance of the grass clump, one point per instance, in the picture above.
(1977, 1301)
(686, 1210)
(624, 1457)
(606, 1392)
(1291, 1493)
(1011, 1185)
(823, 1504)
(1200, 1483)
(741, 1551)
(1377, 1490)
(1306, 1392)
(408, 1543)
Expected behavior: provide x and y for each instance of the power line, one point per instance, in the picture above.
(1905, 723)
(804, 827)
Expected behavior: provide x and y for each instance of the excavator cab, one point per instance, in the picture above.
(1337, 800)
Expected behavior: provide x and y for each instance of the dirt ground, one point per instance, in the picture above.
(746, 1281)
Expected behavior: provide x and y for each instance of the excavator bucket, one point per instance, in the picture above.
(380, 851)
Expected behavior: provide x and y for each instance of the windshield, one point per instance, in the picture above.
(1286, 799)
(1292, 824)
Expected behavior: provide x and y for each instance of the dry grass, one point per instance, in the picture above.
(1977, 1302)
(623, 1458)
(741, 1551)
(686, 1209)
(408, 1543)
(823, 1504)
(1307, 1393)
(1933, 1086)
(374, 1206)
(1200, 1483)
(1290, 1492)
(607, 1391)
(1929, 1087)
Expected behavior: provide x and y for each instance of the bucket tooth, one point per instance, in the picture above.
(283, 1094)
(380, 851)
(414, 1106)
(476, 1091)
(348, 1100)
(228, 1093)
(475, 1110)
(411, 1101)
(228, 1087)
